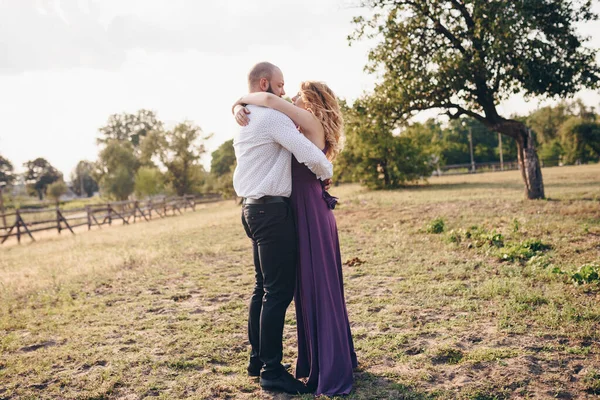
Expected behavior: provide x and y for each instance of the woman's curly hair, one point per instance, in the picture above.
(320, 100)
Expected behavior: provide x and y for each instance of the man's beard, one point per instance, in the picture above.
(270, 89)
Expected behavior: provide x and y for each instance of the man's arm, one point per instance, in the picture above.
(285, 133)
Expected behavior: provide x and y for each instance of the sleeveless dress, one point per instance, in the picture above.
(325, 348)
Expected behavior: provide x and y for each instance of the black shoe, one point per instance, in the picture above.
(284, 383)
(253, 370)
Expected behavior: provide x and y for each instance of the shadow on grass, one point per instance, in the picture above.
(432, 186)
(368, 385)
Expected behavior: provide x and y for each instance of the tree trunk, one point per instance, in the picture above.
(386, 174)
(529, 164)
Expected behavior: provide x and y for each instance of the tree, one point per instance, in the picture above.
(465, 56)
(221, 168)
(82, 179)
(129, 127)
(149, 181)
(554, 141)
(116, 168)
(223, 159)
(546, 121)
(39, 174)
(374, 155)
(180, 151)
(580, 140)
(7, 172)
(57, 189)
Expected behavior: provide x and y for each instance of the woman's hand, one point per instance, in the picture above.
(240, 113)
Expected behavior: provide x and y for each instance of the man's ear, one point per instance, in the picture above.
(264, 84)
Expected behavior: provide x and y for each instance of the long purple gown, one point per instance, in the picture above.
(325, 348)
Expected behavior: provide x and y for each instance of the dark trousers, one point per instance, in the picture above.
(272, 230)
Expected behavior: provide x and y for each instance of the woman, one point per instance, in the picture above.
(325, 349)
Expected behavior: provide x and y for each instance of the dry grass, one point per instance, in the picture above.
(158, 310)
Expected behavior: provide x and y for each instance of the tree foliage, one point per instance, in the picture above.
(566, 132)
(467, 55)
(374, 155)
(39, 173)
(222, 165)
(546, 121)
(7, 172)
(179, 150)
(223, 159)
(580, 140)
(145, 143)
(82, 179)
(149, 181)
(57, 189)
(130, 128)
(116, 168)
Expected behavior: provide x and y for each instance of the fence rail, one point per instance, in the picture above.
(24, 222)
(468, 168)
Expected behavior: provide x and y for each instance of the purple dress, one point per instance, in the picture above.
(325, 348)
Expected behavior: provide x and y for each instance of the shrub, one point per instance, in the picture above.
(588, 273)
(524, 251)
(454, 236)
(57, 189)
(481, 237)
(436, 226)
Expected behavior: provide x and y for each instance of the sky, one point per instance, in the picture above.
(65, 66)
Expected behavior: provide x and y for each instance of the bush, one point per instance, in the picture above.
(588, 273)
(454, 236)
(436, 226)
(524, 251)
(481, 237)
(57, 189)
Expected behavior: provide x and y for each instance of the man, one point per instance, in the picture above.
(263, 177)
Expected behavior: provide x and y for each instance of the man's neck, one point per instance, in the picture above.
(255, 90)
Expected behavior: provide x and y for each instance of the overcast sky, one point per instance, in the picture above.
(65, 66)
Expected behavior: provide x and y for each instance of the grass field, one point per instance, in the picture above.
(486, 308)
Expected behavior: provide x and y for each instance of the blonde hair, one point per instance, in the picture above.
(320, 100)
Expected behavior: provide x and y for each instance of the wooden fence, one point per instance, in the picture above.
(26, 222)
(459, 169)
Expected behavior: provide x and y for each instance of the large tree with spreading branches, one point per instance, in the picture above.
(466, 56)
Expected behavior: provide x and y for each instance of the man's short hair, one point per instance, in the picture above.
(261, 70)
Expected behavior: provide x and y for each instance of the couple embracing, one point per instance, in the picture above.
(284, 153)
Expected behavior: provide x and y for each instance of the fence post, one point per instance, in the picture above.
(89, 219)
(471, 150)
(58, 227)
(2, 211)
(501, 156)
(19, 226)
(109, 214)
